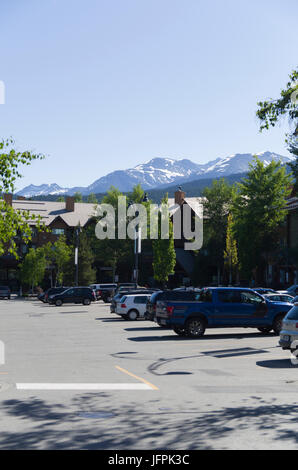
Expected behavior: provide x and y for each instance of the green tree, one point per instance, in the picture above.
(61, 199)
(218, 200)
(87, 274)
(58, 256)
(164, 255)
(118, 252)
(231, 252)
(258, 213)
(14, 222)
(92, 199)
(137, 194)
(32, 268)
(61, 255)
(78, 197)
(271, 111)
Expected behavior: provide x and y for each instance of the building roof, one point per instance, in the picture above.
(292, 203)
(49, 211)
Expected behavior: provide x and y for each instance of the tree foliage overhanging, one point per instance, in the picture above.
(13, 222)
(271, 111)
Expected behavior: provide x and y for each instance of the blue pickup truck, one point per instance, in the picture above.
(222, 307)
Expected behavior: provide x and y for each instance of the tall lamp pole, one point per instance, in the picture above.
(137, 245)
(78, 230)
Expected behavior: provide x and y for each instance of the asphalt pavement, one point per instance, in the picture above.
(79, 377)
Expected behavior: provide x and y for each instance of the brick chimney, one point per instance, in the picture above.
(179, 196)
(69, 203)
(8, 199)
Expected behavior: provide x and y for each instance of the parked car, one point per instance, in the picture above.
(289, 330)
(293, 290)
(76, 295)
(222, 307)
(5, 292)
(186, 288)
(279, 298)
(132, 307)
(41, 297)
(118, 296)
(103, 291)
(127, 285)
(176, 294)
(54, 290)
(264, 290)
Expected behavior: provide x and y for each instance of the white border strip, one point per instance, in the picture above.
(82, 386)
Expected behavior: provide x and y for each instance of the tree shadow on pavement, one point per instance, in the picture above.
(38, 424)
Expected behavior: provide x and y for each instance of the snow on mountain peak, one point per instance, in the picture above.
(159, 172)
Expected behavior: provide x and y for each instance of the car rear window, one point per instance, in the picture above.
(292, 314)
(140, 299)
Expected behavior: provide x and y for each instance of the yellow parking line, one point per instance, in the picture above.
(136, 377)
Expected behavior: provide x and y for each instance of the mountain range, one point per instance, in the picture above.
(159, 173)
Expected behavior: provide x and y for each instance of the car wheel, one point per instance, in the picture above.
(179, 331)
(132, 314)
(86, 301)
(195, 327)
(265, 329)
(277, 324)
(58, 303)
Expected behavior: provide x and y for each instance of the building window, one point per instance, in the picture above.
(58, 231)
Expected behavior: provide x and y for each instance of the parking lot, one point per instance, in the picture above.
(80, 377)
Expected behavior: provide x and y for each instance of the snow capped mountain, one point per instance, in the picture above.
(42, 190)
(160, 172)
(156, 172)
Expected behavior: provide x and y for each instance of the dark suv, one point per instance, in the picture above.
(76, 295)
(53, 291)
(4, 292)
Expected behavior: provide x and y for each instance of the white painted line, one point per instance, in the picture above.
(82, 386)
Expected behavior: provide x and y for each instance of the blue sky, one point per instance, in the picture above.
(100, 85)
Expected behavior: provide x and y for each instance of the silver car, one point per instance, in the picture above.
(289, 329)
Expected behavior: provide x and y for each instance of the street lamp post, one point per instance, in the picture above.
(137, 245)
(78, 230)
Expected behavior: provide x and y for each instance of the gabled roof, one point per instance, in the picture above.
(49, 211)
